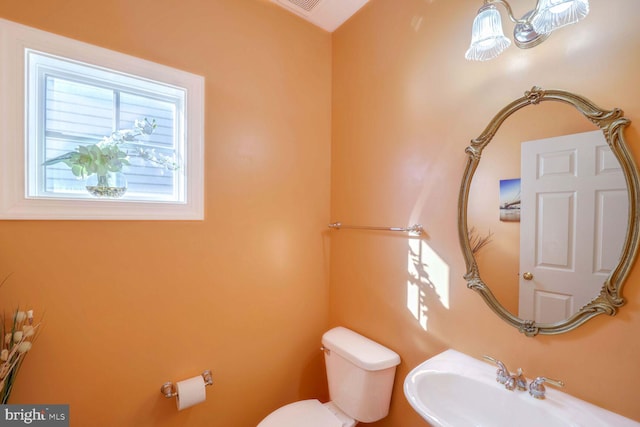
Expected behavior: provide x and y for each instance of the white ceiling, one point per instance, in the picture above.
(326, 14)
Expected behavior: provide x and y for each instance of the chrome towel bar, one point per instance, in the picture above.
(414, 229)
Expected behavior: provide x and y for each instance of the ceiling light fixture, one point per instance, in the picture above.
(489, 41)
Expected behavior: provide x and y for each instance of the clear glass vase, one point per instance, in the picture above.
(113, 185)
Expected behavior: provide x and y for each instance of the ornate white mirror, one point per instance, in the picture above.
(548, 221)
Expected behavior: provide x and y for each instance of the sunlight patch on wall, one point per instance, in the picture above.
(428, 280)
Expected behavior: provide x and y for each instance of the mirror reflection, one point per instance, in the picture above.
(548, 204)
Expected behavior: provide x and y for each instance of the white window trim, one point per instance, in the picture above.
(14, 39)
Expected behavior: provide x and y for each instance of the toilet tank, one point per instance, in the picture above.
(360, 373)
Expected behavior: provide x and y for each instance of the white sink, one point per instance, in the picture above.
(456, 390)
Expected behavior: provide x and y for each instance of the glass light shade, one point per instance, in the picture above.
(553, 14)
(487, 37)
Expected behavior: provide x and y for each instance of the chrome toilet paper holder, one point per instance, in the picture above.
(168, 389)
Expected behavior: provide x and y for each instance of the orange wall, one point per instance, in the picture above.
(246, 292)
(131, 305)
(405, 106)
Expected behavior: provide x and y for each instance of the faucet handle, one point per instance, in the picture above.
(537, 389)
(502, 374)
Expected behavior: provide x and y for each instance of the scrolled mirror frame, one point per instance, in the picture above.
(612, 124)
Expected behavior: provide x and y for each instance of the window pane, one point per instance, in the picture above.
(75, 114)
(78, 109)
(144, 176)
(81, 107)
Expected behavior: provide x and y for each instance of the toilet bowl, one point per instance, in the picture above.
(360, 373)
(308, 413)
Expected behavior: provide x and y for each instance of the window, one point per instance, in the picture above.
(61, 95)
(72, 104)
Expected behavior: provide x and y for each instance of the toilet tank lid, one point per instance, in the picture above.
(359, 350)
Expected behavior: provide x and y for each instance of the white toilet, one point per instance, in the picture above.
(360, 373)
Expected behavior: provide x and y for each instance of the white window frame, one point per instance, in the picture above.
(15, 203)
(43, 66)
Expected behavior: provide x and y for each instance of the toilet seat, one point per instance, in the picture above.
(307, 413)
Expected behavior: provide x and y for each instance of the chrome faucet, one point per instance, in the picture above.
(521, 381)
(536, 388)
(518, 381)
(503, 376)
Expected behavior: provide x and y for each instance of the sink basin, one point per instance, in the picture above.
(455, 390)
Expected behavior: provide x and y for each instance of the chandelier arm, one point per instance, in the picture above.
(510, 11)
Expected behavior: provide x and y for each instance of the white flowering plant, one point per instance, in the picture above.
(112, 153)
(18, 332)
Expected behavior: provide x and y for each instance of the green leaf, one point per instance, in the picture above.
(77, 170)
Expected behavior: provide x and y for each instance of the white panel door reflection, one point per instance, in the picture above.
(573, 222)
